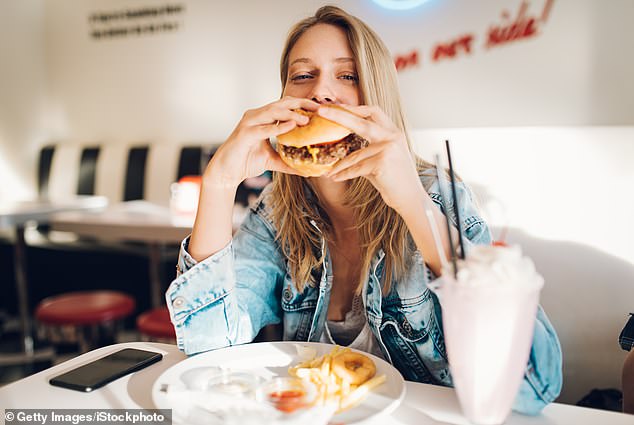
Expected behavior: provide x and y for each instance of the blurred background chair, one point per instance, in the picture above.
(627, 383)
(88, 318)
(155, 325)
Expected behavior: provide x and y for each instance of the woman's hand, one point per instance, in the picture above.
(247, 152)
(386, 162)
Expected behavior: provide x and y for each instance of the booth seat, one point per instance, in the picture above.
(60, 263)
(120, 172)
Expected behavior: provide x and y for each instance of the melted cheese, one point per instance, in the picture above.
(313, 151)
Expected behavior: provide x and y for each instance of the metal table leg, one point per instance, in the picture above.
(155, 253)
(28, 353)
(22, 290)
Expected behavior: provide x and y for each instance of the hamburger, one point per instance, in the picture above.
(313, 149)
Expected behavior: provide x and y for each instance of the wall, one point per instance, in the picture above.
(22, 95)
(196, 82)
(574, 71)
(552, 169)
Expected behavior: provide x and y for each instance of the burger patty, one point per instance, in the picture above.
(326, 153)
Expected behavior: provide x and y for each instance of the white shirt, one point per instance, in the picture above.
(353, 331)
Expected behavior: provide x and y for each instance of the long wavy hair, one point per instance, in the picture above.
(294, 201)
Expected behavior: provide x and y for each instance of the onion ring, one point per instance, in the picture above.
(353, 367)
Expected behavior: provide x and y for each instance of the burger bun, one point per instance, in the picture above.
(318, 130)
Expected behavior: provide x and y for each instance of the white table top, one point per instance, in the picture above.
(127, 221)
(423, 404)
(139, 221)
(18, 213)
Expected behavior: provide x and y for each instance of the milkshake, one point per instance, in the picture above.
(489, 313)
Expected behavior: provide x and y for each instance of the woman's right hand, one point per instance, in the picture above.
(247, 152)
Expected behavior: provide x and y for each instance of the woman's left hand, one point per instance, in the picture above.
(386, 162)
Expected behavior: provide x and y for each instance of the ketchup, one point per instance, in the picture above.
(287, 400)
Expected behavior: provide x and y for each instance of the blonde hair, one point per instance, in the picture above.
(296, 204)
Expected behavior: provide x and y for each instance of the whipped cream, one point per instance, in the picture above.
(488, 265)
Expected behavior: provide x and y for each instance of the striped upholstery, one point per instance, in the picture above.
(160, 172)
(135, 173)
(118, 172)
(167, 163)
(190, 161)
(44, 169)
(62, 182)
(111, 167)
(87, 171)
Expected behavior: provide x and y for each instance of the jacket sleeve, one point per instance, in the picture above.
(474, 229)
(227, 298)
(543, 377)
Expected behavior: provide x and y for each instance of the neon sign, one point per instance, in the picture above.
(508, 30)
(400, 4)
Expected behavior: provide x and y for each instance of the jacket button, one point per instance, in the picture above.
(178, 302)
(287, 295)
(407, 327)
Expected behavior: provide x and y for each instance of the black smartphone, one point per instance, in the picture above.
(98, 373)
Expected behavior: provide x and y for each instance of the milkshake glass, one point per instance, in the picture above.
(489, 314)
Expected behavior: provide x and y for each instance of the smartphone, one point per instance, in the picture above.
(98, 373)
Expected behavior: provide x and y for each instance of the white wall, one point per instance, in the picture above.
(196, 82)
(22, 95)
(574, 72)
(191, 84)
(560, 175)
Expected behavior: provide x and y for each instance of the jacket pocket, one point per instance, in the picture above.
(412, 329)
(404, 355)
(298, 309)
(403, 328)
(410, 317)
(295, 301)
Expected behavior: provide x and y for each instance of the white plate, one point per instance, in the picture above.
(270, 359)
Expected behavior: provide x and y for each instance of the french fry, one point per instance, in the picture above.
(316, 362)
(330, 387)
(358, 395)
(325, 366)
(345, 388)
(372, 383)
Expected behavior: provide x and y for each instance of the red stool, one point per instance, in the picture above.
(97, 312)
(155, 324)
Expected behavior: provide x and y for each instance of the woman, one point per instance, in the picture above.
(626, 340)
(343, 258)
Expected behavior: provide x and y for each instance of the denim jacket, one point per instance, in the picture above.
(227, 298)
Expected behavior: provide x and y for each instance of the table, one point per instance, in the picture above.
(423, 404)
(137, 221)
(17, 215)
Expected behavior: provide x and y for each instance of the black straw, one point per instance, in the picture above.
(443, 197)
(455, 200)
